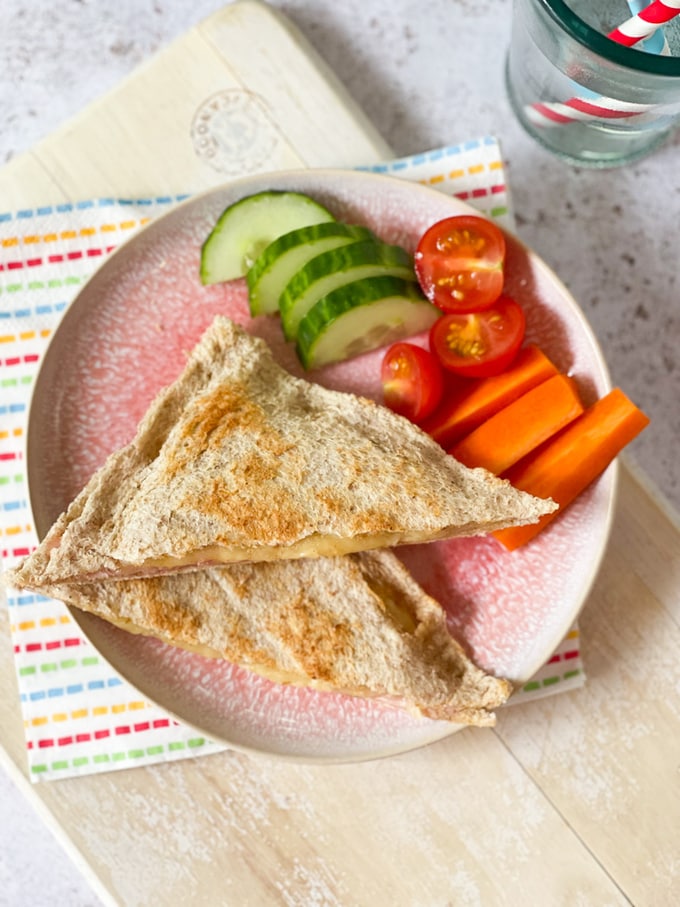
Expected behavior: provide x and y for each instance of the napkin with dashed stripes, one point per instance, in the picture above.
(79, 715)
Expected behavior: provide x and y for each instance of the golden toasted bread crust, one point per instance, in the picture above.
(240, 455)
(359, 624)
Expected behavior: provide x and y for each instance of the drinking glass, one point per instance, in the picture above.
(583, 96)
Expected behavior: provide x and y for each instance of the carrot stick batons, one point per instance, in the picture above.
(475, 400)
(520, 427)
(565, 465)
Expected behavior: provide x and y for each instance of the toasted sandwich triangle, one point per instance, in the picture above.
(357, 624)
(238, 460)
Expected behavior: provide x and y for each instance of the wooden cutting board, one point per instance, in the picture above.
(565, 801)
(240, 93)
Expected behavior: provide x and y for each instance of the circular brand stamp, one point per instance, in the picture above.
(232, 133)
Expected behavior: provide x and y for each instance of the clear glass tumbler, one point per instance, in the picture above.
(588, 99)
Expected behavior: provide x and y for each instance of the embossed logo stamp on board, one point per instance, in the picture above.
(232, 133)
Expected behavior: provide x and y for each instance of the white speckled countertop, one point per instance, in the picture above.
(426, 75)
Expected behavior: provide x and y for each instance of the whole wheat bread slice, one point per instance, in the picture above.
(239, 460)
(359, 624)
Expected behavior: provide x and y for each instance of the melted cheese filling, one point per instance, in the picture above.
(312, 546)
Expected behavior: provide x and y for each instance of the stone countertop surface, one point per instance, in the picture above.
(427, 75)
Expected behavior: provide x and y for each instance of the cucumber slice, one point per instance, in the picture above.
(246, 227)
(362, 316)
(281, 259)
(330, 270)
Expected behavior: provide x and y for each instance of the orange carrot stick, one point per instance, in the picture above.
(520, 427)
(566, 464)
(475, 400)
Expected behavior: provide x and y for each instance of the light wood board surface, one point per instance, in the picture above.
(573, 799)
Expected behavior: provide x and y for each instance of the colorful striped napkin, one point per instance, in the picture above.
(79, 715)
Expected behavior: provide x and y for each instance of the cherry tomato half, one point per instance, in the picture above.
(479, 344)
(412, 380)
(459, 263)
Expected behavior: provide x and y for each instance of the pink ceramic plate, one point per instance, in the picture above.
(127, 334)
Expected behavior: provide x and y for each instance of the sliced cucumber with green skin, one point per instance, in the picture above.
(330, 270)
(362, 316)
(284, 257)
(245, 228)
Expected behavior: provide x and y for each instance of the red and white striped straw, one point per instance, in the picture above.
(646, 22)
(583, 110)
